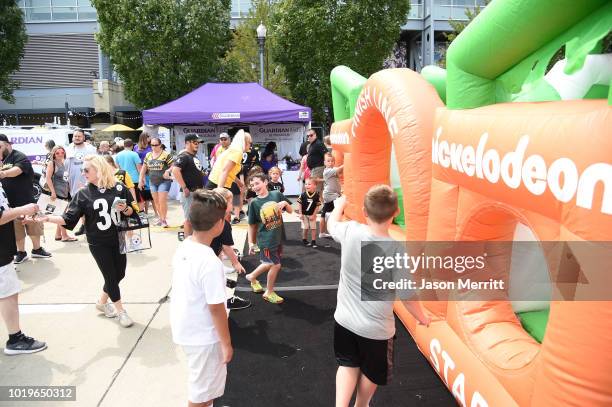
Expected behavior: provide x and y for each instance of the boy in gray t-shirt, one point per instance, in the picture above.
(331, 190)
(364, 330)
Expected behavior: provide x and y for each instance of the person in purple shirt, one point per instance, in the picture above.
(144, 146)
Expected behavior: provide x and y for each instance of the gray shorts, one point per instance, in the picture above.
(186, 204)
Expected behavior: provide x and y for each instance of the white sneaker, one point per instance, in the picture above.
(124, 319)
(108, 309)
(323, 235)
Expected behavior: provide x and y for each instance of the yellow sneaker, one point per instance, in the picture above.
(273, 298)
(257, 288)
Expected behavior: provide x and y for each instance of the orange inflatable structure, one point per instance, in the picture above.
(476, 174)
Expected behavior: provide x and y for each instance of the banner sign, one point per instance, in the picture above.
(288, 137)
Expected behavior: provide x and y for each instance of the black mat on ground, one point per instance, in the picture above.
(301, 265)
(283, 356)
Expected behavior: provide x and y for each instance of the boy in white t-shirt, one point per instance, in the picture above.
(198, 315)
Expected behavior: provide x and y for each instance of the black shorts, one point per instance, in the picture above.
(327, 208)
(234, 187)
(146, 195)
(372, 356)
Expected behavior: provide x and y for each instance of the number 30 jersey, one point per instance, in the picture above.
(101, 219)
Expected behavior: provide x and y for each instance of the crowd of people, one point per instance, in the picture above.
(108, 185)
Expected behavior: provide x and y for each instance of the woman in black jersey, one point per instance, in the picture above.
(103, 201)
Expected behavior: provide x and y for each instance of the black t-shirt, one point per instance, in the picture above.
(19, 190)
(276, 186)
(304, 148)
(8, 248)
(191, 170)
(100, 219)
(224, 239)
(316, 155)
(249, 160)
(309, 202)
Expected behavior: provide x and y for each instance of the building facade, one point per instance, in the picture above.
(64, 74)
(428, 20)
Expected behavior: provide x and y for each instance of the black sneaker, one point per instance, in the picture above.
(24, 345)
(20, 257)
(40, 252)
(306, 243)
(236, 302)
(313, 244)
(80, 231)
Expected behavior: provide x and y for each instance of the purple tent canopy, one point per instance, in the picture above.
(227, 103)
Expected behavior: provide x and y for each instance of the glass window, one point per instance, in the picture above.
(37, 3)
(416, 9)
(64, 13)
(63, 3)
(245, 6)
(38, 14)
(87, 13)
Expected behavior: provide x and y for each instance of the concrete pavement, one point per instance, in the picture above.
(108, 364)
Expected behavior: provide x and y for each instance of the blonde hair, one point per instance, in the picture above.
(106, 173)
(280, 172)
(225, 193)
(380, 203)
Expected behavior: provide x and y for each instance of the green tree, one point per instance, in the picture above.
(314, 36)
(241, 64)
(12, 42)
(458, 26)
(162, 49)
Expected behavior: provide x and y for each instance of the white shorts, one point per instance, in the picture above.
(207, 372)
(308, 224)
(9, 283)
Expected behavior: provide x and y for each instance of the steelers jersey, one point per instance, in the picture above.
(101, 219)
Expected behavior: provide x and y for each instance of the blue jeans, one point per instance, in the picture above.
(163, 187)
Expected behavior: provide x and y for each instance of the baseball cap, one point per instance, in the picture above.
(192, 137)
(118, 139)
(4, 138)
(223, 135)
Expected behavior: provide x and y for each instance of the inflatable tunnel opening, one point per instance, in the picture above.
(492, 325)
(530, 282)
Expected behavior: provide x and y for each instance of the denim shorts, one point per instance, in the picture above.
(163, 187)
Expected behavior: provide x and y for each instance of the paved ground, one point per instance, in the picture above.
(109, 365)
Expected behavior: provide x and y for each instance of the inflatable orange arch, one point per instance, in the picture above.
(474, 175)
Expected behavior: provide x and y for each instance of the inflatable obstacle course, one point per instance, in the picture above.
(500, 141)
